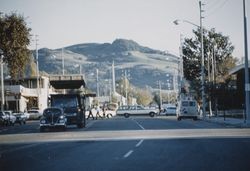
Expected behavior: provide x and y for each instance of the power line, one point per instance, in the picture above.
(216, 9)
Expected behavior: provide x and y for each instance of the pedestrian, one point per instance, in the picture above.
(98, 112)
(90, 114)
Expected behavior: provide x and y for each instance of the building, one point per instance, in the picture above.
(239, 95)
(23, 94)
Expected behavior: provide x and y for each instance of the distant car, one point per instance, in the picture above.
(127, 111)
(34, 114)
(20, 118)
(53, 118)
(170, 110)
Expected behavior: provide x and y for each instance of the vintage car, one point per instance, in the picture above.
(53, 118)
(127, 111)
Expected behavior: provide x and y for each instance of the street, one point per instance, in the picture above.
(135, 143)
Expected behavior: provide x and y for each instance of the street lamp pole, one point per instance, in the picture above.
(2, 82)
(176, 22)
(202, 65)
(247, 85)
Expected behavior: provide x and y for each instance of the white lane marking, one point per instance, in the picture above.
(128, 154)
(19, 148)
(139, 124)
(139, 143)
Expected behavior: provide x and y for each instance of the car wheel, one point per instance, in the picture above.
(126, 115)
(195, 118)
(151, 114)
(109, 115)
(178, 118)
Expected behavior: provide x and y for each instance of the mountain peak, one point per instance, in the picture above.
(125, 45)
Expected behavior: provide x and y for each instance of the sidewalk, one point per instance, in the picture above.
(235, 122)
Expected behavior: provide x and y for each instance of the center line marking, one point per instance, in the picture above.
(139, 124)
(128, 154)
(139, 143)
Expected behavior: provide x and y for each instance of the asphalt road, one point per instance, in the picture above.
(136, 143)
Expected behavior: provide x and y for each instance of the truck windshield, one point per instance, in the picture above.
(64, 102)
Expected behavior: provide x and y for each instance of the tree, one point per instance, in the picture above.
(217, 52)
(14, 41)
(143, 97)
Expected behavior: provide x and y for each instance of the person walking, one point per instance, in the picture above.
(98, 112)
(90, 114)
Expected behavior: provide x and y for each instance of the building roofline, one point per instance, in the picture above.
(238, 68)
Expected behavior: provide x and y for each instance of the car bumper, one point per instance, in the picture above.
(53, 125)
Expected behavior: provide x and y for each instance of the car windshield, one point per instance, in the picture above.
(52, 111)
(68, 102)
(33, 111)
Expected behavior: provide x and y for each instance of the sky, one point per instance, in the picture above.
(60, 23)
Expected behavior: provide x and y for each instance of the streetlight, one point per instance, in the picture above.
(247, 85)
(2, 81)
(176, 22)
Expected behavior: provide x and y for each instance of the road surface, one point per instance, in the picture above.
(136, 143)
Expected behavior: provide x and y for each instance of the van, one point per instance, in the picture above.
(187, 109)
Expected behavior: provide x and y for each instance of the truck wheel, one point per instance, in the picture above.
(151, 114)
(126, 115)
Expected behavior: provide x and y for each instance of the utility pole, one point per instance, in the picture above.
(202, 64)
(247, 85)
(2, 81)
(62, 62)
(126, 87)
(160, 97)
(97, 82)
(37, 63)
(37, 71)
(113, 77)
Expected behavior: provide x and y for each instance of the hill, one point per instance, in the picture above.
(145, 65)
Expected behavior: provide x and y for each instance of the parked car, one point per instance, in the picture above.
(170, 110)
(20, 118)
(34, 114)
(3, 118)
(7, 118)
(53, 118)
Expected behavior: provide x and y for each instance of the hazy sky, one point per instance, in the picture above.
(149, 22)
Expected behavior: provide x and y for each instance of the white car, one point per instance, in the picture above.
(7, 118)
(34, 114)
(127, 111)
(170, 110)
